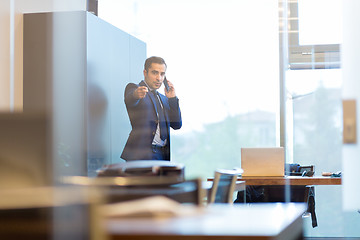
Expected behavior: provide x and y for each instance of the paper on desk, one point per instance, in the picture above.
(156, 206)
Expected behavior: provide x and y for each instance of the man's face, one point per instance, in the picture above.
(155, 75)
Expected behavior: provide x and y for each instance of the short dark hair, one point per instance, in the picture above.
(152, 60)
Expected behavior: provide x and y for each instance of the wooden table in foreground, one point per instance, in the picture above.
(289, 180)
(280, 221)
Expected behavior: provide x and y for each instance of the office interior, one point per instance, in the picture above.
(248, 74)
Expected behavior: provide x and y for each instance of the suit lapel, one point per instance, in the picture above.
(152, 98)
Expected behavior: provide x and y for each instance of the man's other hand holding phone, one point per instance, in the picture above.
(169, 89)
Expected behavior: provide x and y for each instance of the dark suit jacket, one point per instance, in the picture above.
(143, 119)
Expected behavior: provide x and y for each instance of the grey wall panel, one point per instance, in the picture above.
(121, 125)
(69, 79)
(99, 54)
(113, 57)
(37, 61)
(137, 59)
(76, 67)
(54, 77)
(108, 72)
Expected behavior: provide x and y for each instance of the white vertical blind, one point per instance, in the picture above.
(351, 90)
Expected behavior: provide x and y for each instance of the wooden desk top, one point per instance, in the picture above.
(217, 221)
(292, 180)
(289, 180)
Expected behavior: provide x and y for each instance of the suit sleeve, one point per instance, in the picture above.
(130, 100)
(175, 113)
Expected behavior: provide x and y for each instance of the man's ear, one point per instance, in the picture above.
(145, 72)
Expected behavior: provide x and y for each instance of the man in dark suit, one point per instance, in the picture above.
(151, 114)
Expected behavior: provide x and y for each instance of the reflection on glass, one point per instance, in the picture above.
(314, 98)
(223, 59)
(314, 114)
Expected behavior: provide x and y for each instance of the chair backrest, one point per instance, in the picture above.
(223, 186)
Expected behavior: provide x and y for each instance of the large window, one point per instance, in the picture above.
(223, 58)
(312, 81)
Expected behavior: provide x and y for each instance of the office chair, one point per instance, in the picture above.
(223, 186)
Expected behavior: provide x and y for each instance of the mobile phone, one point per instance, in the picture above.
(166, 84)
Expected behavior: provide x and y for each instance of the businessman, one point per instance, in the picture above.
(151, 114)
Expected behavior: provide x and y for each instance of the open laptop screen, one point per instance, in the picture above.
(267, 162)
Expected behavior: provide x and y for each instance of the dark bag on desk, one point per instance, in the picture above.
(295, 169)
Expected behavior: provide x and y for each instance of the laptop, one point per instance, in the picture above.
(263, 162)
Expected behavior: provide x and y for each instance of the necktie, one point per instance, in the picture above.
(161, 117)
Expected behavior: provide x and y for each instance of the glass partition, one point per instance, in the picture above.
(312, 82)
(222, 57)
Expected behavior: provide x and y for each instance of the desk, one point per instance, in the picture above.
(218, 221)
(289, 180)
(274, 189)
